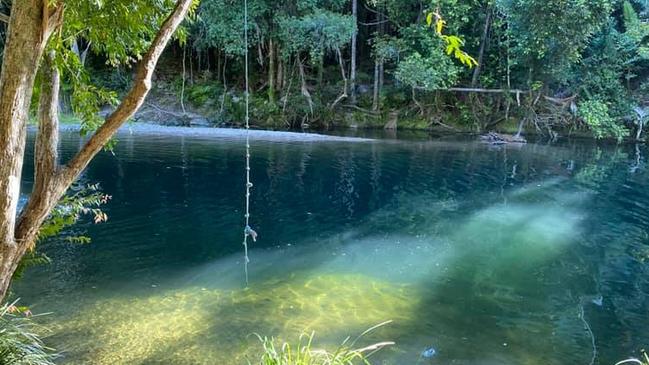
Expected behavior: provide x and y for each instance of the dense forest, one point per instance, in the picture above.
(547, 66)
(553, 67)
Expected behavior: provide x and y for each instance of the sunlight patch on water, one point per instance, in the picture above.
(429, 276)
(200, 325)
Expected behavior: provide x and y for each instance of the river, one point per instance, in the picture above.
(491, 255)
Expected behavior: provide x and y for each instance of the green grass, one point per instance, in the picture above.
(303, 353)
(20, 343)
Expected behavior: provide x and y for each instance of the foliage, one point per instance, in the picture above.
(586, 51)
(220, 24)
(203, 92)
(304, 353)
(385, 48)
(316, 33)
(427, 73)
(118, 30)
(425, 65)
(20, 343)
(549, 35)
(595, 114)
(453, 43)
(82, 201)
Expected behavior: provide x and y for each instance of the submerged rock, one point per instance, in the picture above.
(598, 300)
(500, 138)
(429, 353)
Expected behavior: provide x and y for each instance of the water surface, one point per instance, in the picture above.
(489, 255)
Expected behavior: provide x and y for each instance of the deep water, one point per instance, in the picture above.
(488, 255)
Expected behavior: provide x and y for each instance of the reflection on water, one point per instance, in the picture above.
(489, 255)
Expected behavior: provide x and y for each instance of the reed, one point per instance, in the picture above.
(303, 353)
(20, 342)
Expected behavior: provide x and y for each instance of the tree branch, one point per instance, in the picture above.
(33, 215)
(486, 91)
(135, 97)
(342, 72)
(43, 197)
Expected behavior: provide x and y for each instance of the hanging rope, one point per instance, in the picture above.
(247, 231)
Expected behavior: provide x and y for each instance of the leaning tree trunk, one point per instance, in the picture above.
(51, 180)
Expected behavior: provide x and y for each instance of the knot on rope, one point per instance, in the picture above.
(250, 232)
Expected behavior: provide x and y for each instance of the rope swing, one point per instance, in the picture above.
(247, 231)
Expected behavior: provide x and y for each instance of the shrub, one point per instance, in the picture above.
(596, 115)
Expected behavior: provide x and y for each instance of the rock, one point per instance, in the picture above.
(199, 121)
(598, 300)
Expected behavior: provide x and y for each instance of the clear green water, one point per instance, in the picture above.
(487, 254)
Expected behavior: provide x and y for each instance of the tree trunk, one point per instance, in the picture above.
(320, 73)
(280, 71)
(483, 44)
(375, 95)
(23, 51)
(378, 67)
(381, 76)
(304, 88)
(47, 189)
(182, 89)
(271, 71)
(352, 72)
(24, 46)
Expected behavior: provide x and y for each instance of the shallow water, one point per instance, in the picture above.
(489, 255)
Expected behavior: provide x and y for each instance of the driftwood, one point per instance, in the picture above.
(501, 138)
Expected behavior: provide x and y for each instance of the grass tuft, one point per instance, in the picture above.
(303, 353)
(20, 343)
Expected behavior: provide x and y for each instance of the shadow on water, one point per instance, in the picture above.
(483, 253)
